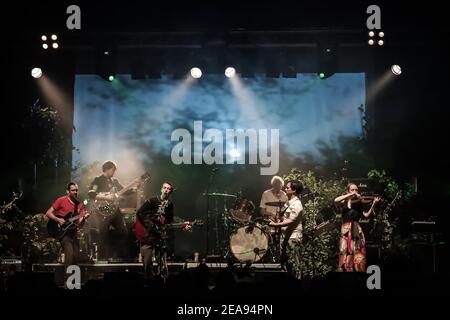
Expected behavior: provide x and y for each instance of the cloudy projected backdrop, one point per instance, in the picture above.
(134, 119)
(132, 122)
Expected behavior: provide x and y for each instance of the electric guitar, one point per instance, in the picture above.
(158, 230)
(58, 231)
(108, 208)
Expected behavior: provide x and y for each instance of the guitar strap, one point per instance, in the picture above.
(75, 211)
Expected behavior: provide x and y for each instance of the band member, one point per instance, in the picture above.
(63, 206)
(352, 251)
(154, 213)
(290, 224)
(275, 194)
(104, 184)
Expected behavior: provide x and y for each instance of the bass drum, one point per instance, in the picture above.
(249, 243)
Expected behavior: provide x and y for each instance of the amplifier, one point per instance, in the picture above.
(10, 265)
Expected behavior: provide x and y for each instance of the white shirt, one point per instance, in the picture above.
(269, 196)
(293, 211)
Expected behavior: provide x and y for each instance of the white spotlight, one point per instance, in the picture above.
(44, 37)
(380, 42)
(54, 37)
(396, 69)
(55, 45)
(235, 153)
(371, 42)
(371, 33)
(230, 72)
(196, 73)
(381, 34)
(36, 72)
(45, 46)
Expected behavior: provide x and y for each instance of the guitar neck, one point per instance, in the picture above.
(74, 218)
(176, 225)
(142, 179)
(126, 188)
(182, 224)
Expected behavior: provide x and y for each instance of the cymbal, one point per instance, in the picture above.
(220, 194)
(275, 204)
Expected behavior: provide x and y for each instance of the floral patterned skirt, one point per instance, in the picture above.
(352, 251)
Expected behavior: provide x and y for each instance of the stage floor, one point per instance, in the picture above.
(90, 271)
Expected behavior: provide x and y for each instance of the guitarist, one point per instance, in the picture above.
(291, 225)
(154, 213)
(103, 184)
(63, 206)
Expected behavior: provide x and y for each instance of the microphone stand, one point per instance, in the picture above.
(211, 177)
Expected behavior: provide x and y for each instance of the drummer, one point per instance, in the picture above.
(274, 194)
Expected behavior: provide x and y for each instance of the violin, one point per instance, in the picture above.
(364, 199)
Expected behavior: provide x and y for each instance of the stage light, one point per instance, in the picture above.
(230, 72)
(321, 75)
(371, 33)
(381, 34)
(235, 153)
(380, 42)
(36, 72)
(196, 73)
(46, 45)
(396, 69)
(111, 78)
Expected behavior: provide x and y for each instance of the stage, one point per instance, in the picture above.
(97, 271)
(203, 140)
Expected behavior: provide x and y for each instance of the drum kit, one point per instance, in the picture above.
(247, 238)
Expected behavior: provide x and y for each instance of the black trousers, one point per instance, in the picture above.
(113, 237)
(147, 259)
(159, 249)
(71, 248)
